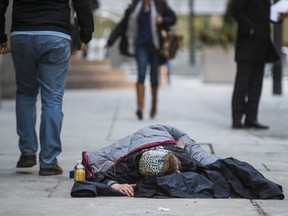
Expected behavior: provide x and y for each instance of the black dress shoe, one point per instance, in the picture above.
(237, 125)
(256, 125)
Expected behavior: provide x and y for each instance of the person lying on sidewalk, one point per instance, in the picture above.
(163, 161)
(147, 163)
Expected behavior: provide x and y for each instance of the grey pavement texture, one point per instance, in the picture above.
(97, 117)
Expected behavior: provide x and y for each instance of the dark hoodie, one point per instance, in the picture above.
(47, 15)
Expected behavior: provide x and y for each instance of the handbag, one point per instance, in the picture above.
(170, 44)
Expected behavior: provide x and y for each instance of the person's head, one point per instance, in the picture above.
(158, 162)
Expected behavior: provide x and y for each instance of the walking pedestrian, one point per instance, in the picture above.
(40, 48)
(253, 49)
(140, 31)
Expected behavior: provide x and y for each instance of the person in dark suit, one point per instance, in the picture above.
(253, 49)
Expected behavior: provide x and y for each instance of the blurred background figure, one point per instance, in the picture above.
(140, 32)
(253, 49)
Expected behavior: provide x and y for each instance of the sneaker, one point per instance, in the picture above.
(26, 161)
(55, 170)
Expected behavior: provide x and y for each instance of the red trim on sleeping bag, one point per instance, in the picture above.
(148, 145)
(88, 169)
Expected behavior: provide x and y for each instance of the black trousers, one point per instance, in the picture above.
(247, 90)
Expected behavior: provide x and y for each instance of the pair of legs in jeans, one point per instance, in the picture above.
(147, 55)
(41, 63)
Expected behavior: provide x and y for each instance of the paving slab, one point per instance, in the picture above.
(97, 117)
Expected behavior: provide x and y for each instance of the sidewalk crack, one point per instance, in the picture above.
(264, 165)
(114, 117)
(258, 208)
(52, 190)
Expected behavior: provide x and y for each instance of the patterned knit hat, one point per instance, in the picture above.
(158, 162)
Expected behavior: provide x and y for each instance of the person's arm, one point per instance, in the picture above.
(169, 17)
(194, 149)
(3, 8)
(116, 32)
(238, 12)
(119, 29)
(85, 19)
(4, 48)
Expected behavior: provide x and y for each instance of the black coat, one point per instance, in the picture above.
(253, 14)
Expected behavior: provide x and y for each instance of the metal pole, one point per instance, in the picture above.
(191, 32)
(277, 66)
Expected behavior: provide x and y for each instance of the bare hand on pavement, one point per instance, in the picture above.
(126, 189)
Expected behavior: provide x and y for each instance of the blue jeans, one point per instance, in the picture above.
(146, 55)
(41, 63)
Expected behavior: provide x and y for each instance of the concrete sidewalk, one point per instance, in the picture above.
(96, 118)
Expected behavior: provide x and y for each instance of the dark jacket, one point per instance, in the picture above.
(256, 46)
(47, 15)
(163, 10)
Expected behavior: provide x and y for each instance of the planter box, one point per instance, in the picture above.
(218, 65)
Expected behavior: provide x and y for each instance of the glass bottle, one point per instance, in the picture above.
(79, 172)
